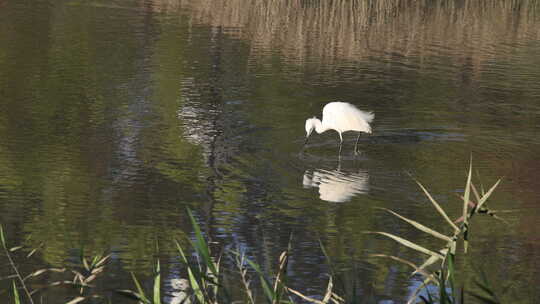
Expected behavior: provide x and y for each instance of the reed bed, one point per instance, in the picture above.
(356, 30)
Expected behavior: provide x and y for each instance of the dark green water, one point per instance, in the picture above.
(116, 116)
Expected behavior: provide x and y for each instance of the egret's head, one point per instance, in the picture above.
(310, 125)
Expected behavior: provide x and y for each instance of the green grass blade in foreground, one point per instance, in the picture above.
(438, 207)
(202, 276)
(2, 237)
(409, 244)
(16, 296)
(201, 246)
(451, 273)
(140, 291)
(466, 198)
(157, 285)
(420, 226)
(443, 296)
(193, 279)
(264, 282)
(216, 279)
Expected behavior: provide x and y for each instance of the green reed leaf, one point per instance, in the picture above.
(157, 285)
(193, 279)
(420, 226)
(407, 243)
(201, 246)
(264, 282)
(438, 207)
(140, 291)
(2, 237)
(16, 295)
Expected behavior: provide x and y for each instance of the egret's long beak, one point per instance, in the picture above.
(307, 139)
(305, 143)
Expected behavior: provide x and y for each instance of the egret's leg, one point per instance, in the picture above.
(356, 145)
(340, 143)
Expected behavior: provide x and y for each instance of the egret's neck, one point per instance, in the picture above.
(320, 127)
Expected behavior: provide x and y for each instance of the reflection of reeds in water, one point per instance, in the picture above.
(355, 29)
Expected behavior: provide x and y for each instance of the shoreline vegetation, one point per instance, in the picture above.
(207, 281)
(358, 30)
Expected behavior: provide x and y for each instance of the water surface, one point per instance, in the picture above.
(116, 116)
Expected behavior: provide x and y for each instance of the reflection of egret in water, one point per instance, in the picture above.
(336, 186)
(181, 291)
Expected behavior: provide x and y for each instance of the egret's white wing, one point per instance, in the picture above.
(343, 116)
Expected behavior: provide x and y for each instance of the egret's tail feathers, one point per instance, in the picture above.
(368, 116)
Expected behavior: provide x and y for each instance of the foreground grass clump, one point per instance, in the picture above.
(81, 275)
(205, 282)
(444, 276)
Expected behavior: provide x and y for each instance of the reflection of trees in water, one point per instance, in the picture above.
(237, 210)
(179, 129)
(88, 129)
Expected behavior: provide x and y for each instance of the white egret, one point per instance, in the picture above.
(340, 117)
